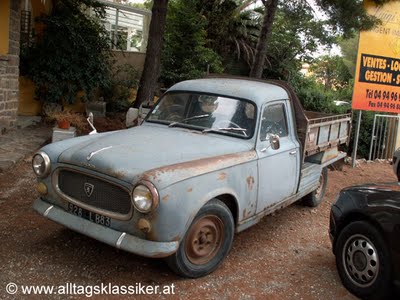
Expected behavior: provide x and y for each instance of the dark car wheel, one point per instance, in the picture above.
(398, 173)
(315, 198)
(363, 261)
(206, 243)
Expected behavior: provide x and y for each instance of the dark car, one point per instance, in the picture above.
(365, 233)
(396, 163)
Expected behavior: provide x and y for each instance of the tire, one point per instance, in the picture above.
(315, 198)
(398, 173)
(363, 261)
(206, 243)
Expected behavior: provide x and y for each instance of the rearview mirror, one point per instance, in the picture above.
(273, 140)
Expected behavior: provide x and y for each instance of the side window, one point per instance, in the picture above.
(274, 121)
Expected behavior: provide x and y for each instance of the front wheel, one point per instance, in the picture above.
(315, 198)
(206, 243)
(398, 173)
(363, 261)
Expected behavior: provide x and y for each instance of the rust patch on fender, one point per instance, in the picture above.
(222, 176)
(250, 183)
(165, 198)
(201, 166)
(189, 190)
(244, 214)
(160, 255)
(152, 236)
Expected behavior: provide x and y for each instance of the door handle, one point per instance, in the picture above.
(293, 152)
(263, 150)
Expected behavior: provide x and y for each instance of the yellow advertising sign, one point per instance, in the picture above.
(377, 81)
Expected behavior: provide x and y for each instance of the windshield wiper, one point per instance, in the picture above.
(188, 119)
(226, 129)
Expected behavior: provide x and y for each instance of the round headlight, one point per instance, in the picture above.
(41, 164)
(145, 197)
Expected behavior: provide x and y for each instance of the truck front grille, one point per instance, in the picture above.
(94, 192)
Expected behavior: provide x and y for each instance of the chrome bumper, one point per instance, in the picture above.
(120, 240)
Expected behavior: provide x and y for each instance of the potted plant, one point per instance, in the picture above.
(62, 119)
(66, 119)
(63, 123)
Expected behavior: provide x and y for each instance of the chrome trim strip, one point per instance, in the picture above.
(47, 211)
(117, 216)
(119, 241)
(89, 157)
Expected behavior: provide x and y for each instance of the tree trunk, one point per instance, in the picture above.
(266, 29)
(152, 63)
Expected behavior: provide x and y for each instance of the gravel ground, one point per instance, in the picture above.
(286, 256)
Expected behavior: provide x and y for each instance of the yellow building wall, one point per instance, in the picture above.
(27, 105)
(4, 26)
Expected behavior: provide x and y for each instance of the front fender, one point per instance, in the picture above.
(180, 202)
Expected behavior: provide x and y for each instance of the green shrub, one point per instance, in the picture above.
(314, 97)
(72, 54)
(118, 95)
(185, 55)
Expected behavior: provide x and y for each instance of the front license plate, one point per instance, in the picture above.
(89, 215)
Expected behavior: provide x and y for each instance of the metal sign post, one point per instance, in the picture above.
(357, 133)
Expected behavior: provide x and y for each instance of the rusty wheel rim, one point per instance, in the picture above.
(320, 184)
(204, 240)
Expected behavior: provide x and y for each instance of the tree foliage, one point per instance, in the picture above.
(331, 71)
(344, 18)
(349, 49)
(314, 96)
(232, 29)
(347, 17)
(295, 37)
(185, 55)
(72, 54)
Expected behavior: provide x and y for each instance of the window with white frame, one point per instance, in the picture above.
(127, 26)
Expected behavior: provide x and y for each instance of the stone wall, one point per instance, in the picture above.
(9, 72)
(135, 59)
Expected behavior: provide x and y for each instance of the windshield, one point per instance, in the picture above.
(205, 112)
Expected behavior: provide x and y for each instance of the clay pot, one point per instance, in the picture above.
(63, 124)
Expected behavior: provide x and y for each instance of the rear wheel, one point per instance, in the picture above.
(315, 198)
(206, 243)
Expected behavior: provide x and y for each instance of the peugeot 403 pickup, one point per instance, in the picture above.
(211, 158)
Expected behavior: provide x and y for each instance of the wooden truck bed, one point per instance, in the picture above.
(324, 131)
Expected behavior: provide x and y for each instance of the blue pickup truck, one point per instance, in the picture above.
(211, 158)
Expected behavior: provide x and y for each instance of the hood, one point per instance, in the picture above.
(128, 153)
(375, 187)
(382, 194)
